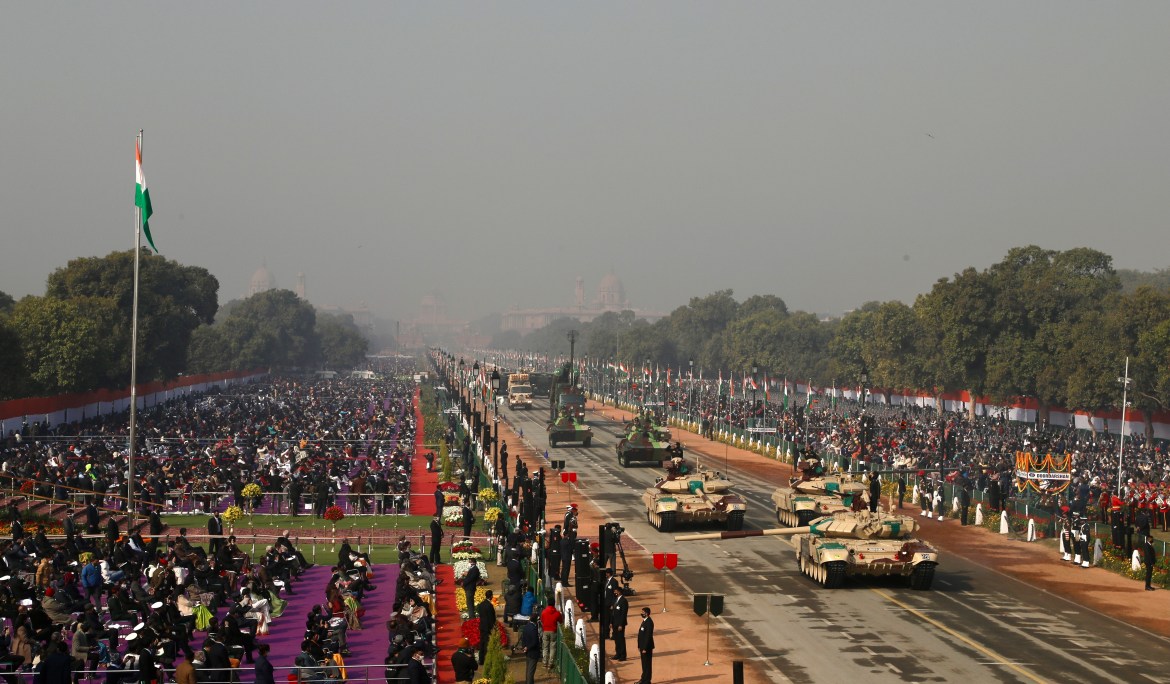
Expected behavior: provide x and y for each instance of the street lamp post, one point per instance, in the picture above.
(496, 421)
(864, 378)
(691, 391)
(1124, 380)
(755, 372)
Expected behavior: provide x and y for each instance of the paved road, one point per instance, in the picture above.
(975, 624)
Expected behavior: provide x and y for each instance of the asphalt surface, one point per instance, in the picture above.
(974, 623)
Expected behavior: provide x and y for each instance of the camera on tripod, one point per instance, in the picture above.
(611, 550)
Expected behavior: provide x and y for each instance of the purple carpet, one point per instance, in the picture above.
(367, 646)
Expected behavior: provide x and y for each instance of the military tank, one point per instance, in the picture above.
(807, 498)
(693, 495)
(853, 544)
(646, 441)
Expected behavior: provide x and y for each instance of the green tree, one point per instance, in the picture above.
(697, 328)
(342, 344)
(208, 351)
(495, 666)
(173, 301)
(6, 303)
(13, 372)
(273, 328)
(64, 345)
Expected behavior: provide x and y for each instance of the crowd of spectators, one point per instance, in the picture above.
(141, 609)
(922, 438)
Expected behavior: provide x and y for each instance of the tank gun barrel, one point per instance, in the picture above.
(744, 533)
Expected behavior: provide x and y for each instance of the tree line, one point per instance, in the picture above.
(1055, 326)
(76, 337)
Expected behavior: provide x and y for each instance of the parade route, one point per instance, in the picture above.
(1001, 609)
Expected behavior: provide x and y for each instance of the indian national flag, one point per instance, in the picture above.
(142, 195)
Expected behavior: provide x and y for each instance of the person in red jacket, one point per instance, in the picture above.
(550, 618)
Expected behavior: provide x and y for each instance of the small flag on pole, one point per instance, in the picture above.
(142, 196)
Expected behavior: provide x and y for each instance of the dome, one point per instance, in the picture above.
(610, 292)
(262, 281)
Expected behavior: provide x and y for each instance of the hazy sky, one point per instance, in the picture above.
(828, 153)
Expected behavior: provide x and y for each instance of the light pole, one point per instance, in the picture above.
(864, 378)
(691, 391)
(649, 379)
(496, 422)
(1124, 380)
(462, 401)
(755, 372)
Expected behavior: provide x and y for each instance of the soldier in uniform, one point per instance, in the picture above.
(1149, 558)
(1085, 536)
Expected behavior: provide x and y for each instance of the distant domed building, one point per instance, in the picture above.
(262, 281)
(611, 296)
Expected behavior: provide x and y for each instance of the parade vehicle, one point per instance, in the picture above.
(567, 411)
(853, 544)
(519, 391)
(646, 441)
(814, 495)
(692, 496)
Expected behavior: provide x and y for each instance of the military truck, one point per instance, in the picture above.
(519, 391)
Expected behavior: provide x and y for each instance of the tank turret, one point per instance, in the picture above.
(852, 544)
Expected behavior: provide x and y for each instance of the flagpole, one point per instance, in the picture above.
(133, 363)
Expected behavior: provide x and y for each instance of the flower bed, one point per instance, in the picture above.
(488, 495)
(480, 593)
(465, 550)
(470, 631)
(453, 516)
(492, 514)
(333, 513)
(463, 566)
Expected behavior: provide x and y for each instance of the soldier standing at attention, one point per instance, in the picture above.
(646, 646)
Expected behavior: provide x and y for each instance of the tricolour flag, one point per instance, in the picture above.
(142, 196)
(785, 393)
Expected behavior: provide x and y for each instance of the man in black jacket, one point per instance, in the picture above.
(214, 531)
(617, 618)
(646, 646)
(470, 582)
(436, 539)
(486, 613)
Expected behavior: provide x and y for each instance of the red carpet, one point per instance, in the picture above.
(422, 483)
(450, 625)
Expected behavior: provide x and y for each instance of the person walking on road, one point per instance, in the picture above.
(646, 646)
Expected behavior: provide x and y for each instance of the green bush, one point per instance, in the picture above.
(495, 666)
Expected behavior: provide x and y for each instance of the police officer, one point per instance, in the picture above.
(1149, 557)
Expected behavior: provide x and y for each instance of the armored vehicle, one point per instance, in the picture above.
(646, 442)
(807, 498)
(566, 403)
(853, 544)
(692, 496)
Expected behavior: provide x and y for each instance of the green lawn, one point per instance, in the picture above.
(304, 528)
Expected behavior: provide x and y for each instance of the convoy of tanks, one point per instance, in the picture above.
(834, 536)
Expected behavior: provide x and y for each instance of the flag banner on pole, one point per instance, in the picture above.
(142, 196)
(767, 392)
(786, 393)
